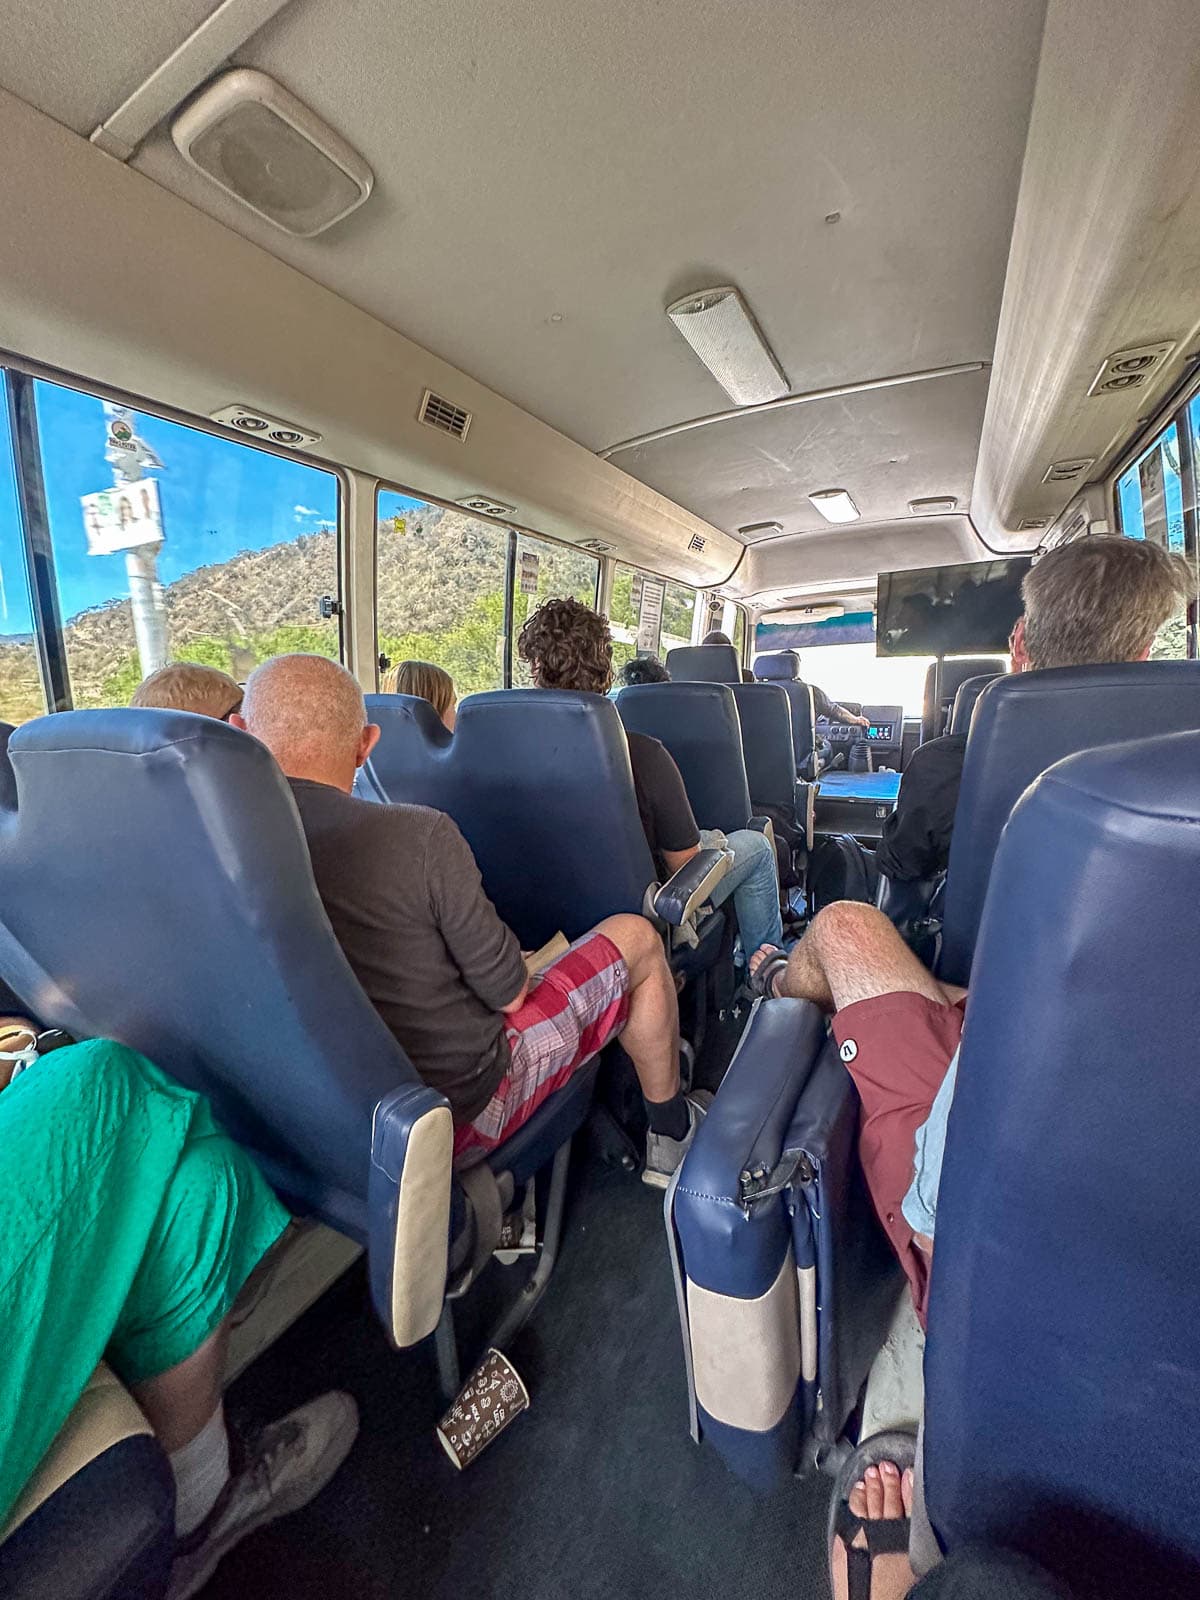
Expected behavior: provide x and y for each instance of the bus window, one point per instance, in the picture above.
(21, 694)
(546, 571)
(855, 672)
(439, 587)
(678, 617)
(623, 615)
(172, 544)
(1150, 502)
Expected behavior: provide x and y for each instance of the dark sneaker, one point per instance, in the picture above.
(289, 1465)
(664, 1155)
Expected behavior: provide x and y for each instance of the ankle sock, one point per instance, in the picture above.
(201, 1469)
(669, 1117)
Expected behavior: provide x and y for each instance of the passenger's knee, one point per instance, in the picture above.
(850, 919)
(638, 941)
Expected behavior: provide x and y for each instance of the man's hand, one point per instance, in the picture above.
(517, 1001)
(854, 720)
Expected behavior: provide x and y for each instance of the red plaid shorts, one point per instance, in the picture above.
(572, 1010)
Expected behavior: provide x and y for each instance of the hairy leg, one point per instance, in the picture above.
(651, 1032)
(852, 952)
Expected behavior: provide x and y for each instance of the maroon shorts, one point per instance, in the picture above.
(897, 1048)
(572, 1010)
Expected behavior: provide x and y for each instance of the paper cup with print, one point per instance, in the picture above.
(492, 1396)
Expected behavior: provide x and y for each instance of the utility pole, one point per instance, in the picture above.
(129, 457)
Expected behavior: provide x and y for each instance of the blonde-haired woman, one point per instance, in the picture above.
(427, 682)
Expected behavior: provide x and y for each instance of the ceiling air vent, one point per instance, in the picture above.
(934, 505)
(1131, 369)
(486, 507)
(1031, 524)
(443, 415)
(1068, 471)
(599, 546)
(697, 542)
(260, 426)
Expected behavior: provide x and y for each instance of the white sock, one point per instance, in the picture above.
(201, 1471)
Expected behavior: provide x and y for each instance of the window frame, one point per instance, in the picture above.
(512, 530)
(30, 482)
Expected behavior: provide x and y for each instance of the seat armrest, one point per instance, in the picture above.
(763, 825)
(408, 1201)
(678, 900)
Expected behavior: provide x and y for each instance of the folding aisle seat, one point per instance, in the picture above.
(1063, 1364)
(786, 1282)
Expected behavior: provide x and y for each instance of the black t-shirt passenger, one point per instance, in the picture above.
(916, 837)
(663, 805)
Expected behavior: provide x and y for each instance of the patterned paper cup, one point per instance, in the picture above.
(492, 1396)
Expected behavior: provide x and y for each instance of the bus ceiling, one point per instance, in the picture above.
(936, 245)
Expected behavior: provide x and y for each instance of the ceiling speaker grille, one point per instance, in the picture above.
(443, 415)
(1067, 471)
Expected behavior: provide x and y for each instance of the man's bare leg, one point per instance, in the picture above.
(651, 1033)
(852, 952)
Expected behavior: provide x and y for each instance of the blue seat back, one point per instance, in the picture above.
(704, 663)
(783, 667)
(539, 782)
(765, 716)
(1023, 724)
(966, 697)
(1062, 1373)
(698, 723)
(155, 888)
(935, 718)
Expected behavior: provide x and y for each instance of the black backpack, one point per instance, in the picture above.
(840, 869)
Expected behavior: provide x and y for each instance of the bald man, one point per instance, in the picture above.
(407, 904)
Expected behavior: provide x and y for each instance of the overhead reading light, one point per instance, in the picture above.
(835, 505)
(720, 327)
(934, 505)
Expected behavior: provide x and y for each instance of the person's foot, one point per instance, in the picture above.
(882, 1494)
(663, 1154)
(290, 1463)
(764, 953)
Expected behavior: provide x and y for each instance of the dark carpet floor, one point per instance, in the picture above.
(596, 1491)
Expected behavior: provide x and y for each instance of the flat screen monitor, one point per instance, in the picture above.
(941, 611)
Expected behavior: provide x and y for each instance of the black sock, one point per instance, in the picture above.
(669, 1117)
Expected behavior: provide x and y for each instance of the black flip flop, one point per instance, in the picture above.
(886, 1536)
(761, 983)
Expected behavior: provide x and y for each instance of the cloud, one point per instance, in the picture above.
(305, 511)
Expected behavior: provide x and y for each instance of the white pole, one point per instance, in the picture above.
(141, 564)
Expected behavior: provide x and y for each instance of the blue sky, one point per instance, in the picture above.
(218, 497)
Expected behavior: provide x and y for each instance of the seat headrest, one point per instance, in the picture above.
(704, 663)
(777, 665)
(539, 782)
(698, 723)
(1062, 1320)
(965, 698)
(155, 887)
(955, 671)
(1024, 723)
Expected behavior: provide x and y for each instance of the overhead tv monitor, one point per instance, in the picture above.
(967, 609)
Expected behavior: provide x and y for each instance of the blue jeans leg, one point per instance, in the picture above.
(754, 884)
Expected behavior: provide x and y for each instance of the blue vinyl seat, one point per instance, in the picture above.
(704, 663)
(965, 698)
(1024, 723)
(155, 888)
(698, 723)
(1062, 1371)
(935, 719)
(783, 667)
(765, 716)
